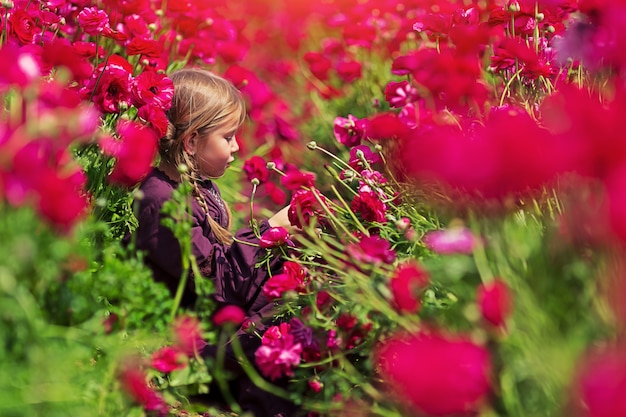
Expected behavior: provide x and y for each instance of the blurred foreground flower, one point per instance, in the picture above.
(278, 353)
(495, 301)
(440, 375)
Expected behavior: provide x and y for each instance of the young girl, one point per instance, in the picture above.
(206, 112)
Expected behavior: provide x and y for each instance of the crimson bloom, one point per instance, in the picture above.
(305, 206)
(110, 88)
(292, 279)
(350, 131)
(407, 283)
(495, 302)
(168, 359)
(439, 375)
(275, 236)
(134, 152)
(133, 381)
(369, 206)
(359, 153)
(93, 20)
(278, 353)
(371, 250)
(151, 87)
(229, 314)
(188, 335)
(452, 240)
(296, 179)
(256, 167)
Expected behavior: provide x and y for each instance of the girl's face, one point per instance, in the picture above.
(215, 151)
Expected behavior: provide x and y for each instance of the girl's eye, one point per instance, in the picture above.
(229, 138)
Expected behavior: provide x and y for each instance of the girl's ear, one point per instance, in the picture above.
(190, 143)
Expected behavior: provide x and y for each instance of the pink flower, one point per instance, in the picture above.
(93, 20)
(399, 94)
(439, 375)
(296, 179)
(23, 27)
(279, 284)
(371, 250)
(168, 359)
(134, 152)
(17, 67)
(133, 381)
(407, 283)
(316, 385)
(360, 152)
(229, 314)
(349, 131)
(277, 194)
(188, 335)
(349, 70)
(109, 88)
(152, 88)
(304, 207)
(275, 236)
(495, 302)
(600, 385)
(278, 354)
(369, 205)
(256, 167)
(449, 241)
(156, 117)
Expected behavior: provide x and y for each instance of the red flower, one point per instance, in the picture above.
(109, 88)
(407, 283)
(438, 375)
(296, 179)
(349, 131)
(152, 88)
(256, 167)
(319, 65)
(360, 152)
(371, 250)
(23, 26)
(134, 152)
(304, 207)
(145, 47)
(369, 205)
(279, 284)
(400, 93)
(348, 71)
(229, 314)
(495, 302)
(601, 383)
(168, 359)
(59, 52)
(93, 20)
(188, 335)
(133, 381)
(278, 353)
(275, 236)
(277, 195)
(17, 67)
(156, 117)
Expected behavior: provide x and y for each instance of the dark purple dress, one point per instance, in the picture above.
(231, 268)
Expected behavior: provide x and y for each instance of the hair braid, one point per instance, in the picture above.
(222, 234)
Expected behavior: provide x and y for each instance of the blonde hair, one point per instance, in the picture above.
(202, 102)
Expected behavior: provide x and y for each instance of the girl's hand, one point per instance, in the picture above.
(281, 219)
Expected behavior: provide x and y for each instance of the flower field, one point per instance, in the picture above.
(456, 169)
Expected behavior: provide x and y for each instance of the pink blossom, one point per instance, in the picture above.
(371, 250)
(407, 283)
(109, 88)
(17, 67)
(278, 354)
(133, 381)
(275, 236)
(350, 131)
(439, 375)
(168, 359)
(256, 167)
(348, 70)
(152, 88)
(359, 153)
(134, 152)
(229, 314)
(495, 301)
(188, 335)
(93, 20)
(156, 117)
(399, 94)
(304, 207)
(453, 240)
(369, 206)
(296, 179)
(292, 279)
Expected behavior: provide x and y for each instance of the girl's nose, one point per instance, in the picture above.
(235, 145)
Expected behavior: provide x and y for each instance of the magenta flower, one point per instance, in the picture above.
(349, 70)
(369, 205)
(275, 236)
(93, 20)
(152, 88)
(133, 381)
(450, 241)
(407, 283)
(156, 117)
(371, 250)
(495, 302)
(109, 88)
(439, 375)
(168, 359)
(360, 152)
(279, 284)
(399, 94)
(304, 207)
(256, 167)
(229, 314)
(134, 152)
(349, 131)
(188, 335)
(17, 67)
(296, 179)
(278, 354)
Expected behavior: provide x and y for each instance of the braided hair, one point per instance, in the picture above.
(202, 103)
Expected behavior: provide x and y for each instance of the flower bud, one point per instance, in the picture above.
(494, 301)
(182, 168)
(152, 27)
(514, 7)
(540, 17)
(230, 314)
(550, 29)
(378, 147)
(270, 165)
(255, 181)
(403, 224)
(312, 145)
